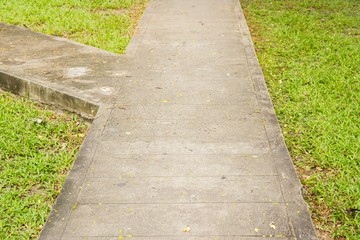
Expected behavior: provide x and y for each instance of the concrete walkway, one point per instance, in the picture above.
(185, 143)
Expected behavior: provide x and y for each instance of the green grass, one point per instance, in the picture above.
(37, 149)
(100, 23)
(309, 52)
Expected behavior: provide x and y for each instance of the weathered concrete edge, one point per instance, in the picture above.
(61, 39)
(48, 95)
(67, 199)
(138, 35)
(298, 211)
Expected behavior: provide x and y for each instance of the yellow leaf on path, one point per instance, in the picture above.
(272, 225)
(257, 229)
(187, 229)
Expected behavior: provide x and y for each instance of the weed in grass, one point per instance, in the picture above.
(37, 149)
(104, 24)
(309, 53)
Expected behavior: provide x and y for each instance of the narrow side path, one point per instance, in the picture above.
(187, 145)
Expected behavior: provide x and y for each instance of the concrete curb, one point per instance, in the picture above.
(137, 38)
(48, 95)
(66, 201)
(302, 227)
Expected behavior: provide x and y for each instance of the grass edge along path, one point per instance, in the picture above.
(108, 25)
(37, 149)
(309, 53)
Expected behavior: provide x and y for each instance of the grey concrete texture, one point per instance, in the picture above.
(184, 144)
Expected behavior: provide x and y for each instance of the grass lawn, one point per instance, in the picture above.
(38, 147)
(309, 51)
(100, 23)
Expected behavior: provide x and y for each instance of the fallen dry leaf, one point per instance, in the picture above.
(272, 225)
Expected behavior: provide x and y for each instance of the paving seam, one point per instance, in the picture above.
(184, 203)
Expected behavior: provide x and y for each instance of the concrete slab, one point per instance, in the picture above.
(166, 111)
(214, 189)
(203, 219)
(250, 129)
(174, 146)
(184, 133)
(180, 238)
(178, 165)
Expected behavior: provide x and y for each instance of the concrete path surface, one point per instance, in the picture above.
(185, 143)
